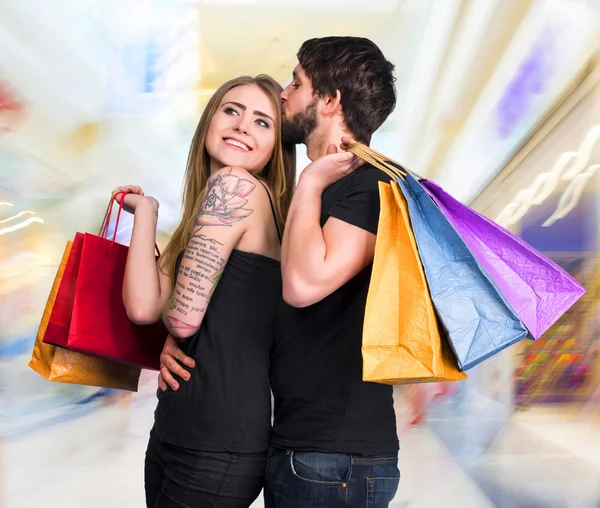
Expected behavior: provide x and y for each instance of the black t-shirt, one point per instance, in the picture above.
(226, 404)
(321, 402)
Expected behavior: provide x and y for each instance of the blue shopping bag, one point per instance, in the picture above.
(479, 321)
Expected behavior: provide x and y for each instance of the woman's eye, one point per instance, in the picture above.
(262, 123)
(230, 111)
(295, 85)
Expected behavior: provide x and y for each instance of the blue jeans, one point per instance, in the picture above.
(329, 480)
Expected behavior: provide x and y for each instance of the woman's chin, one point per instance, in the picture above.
(240, 160)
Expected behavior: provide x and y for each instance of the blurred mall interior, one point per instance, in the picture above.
(498, 101)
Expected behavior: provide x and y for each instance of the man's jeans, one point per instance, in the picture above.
(329, 480)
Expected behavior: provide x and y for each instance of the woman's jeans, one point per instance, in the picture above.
(183, 478)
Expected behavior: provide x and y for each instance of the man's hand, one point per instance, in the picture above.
(330, 168)
(346, 142)
(169, 365)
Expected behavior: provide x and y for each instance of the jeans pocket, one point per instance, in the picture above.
(329, 469)
(381, 490)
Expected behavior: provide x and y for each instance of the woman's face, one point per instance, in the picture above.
(242, 131)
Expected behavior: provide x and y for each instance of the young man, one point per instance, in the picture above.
(334, 441)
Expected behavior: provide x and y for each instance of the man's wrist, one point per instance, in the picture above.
(310, 182)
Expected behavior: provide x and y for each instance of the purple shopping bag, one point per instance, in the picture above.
(538, 290)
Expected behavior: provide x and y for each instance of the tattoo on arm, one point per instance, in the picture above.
(177, 324)
(207, 239)
(202, 266)
(224, 201)
(198, 280)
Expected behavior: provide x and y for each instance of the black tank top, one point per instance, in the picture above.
(226, 404)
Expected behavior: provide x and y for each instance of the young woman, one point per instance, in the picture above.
(211, 434)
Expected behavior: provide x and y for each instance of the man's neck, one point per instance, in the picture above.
(317, 144)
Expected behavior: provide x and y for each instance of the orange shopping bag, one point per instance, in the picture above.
(403, 341)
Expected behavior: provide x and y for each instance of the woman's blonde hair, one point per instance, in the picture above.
(280, 171)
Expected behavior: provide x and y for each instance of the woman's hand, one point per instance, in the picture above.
(134, 195)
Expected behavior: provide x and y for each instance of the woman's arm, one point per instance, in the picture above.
(223, 218)
(145, 287)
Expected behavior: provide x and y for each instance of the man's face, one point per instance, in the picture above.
(299, 109)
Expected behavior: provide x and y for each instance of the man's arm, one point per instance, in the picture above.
(169, 365)
(317, 261)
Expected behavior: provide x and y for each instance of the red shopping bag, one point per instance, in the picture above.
(60, 365)
(98, 322)
(59, 324)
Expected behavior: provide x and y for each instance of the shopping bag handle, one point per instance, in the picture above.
(107, 215)
(390, 167)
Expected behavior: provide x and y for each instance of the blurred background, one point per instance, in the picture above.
(499, 102)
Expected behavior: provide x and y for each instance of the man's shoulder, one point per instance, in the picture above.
(364, 181)
(367, 176)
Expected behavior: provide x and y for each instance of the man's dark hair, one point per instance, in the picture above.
(357, 68)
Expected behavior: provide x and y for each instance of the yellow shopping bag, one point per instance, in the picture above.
(403, 341)
(63, 366)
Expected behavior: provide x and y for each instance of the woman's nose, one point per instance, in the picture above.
(242, 125)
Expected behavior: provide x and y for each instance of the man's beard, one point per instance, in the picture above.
(297, 129)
